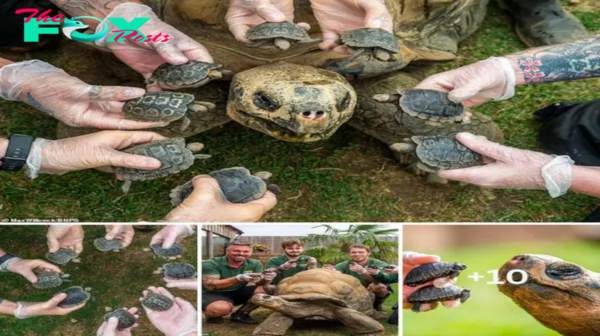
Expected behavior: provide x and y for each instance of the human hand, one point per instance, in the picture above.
(124, 233)
(311, 261)
(170, 234)
(48, 308)
(26, 267)
(475, 84)
(372, 270)
(145, 57)
(68, 99)
(90, 151)
(249, 277)
(186, 284)
(243, 15)
(511, 168)
(391, 269)
(208, 204)
(69, 237)
(354, 267)
(412, 260)
(268, 276)
(289, 264)
(109, 328)
(180, 319)
(340, 16)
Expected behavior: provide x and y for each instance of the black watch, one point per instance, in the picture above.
(16, 154)
(6, 257)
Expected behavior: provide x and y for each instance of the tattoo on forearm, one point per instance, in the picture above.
(562, 62)
(37, 105)
(208, 281)
(113, 3)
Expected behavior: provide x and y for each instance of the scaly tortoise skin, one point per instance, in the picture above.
(75, 296)
(319, 292)
(126, 319)
(431, 293)
(561, 295)
(179, 271)
(442, 152)
(371, 46)
(175, 250)
(429, 272)
(48, 280)
(278, 34)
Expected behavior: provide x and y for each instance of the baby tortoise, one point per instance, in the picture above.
(431, 293)
(425, 104)
(49, 280)
(237, 184)
(173, 251)
(126, 319)
(166, 107)
(278, 34)
(429, 272)
(75, 296)
(192, 74)
(173, 153)
(157, 302)
(104, 245)
(62, 256)
(379, 42)
(177, 271)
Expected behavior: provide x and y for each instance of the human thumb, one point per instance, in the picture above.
(120, 159)
(169, 240)
(112, 233)
(269, 12)
(29, 275)
(53, 244)
(57, 299)
(111, 326)
(458, 95)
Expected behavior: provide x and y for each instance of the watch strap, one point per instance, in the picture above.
(18, 149)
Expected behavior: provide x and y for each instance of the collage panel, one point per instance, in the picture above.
(300, 279)
(69, 280)
(517, 280)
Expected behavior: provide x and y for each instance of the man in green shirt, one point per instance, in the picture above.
(225, 284)
(358, 268)
(292, 261)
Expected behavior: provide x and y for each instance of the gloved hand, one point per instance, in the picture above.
(411, 260)
(354, 267)
(249, 277)
(208, 204)
(475, 84)
(511, 168)
(340, 16)
(69, 237)
(90, 151)
(26, 267)
(109, 328)
(48, 308)
(145, 57)
(269, 276)
(187, 284)
(243, 15)
(124, 233)
(68, 99)
(179, 320)
(289, 264)
(170, 234)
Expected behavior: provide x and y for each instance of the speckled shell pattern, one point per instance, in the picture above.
(432, 294)
(269, 30)
(445, 152)
(371, 38)
(182, 75)
(157, 302)
(430, 102)
(158, 106)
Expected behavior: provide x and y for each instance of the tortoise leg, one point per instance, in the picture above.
(275, 325)
(416, 307)
(185, 123)
(362, 324)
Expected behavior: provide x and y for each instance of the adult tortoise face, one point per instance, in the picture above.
(291, 102)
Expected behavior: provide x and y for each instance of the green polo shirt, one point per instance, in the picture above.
(301, 265)
(219, 266)
(385, 278)
(344, 267)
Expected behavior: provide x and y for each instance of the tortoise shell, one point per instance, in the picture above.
(158, 106)
(126, 319)
(172, 251)
(75, 296)
(444, 152)
(271, 30)
(157, 302)
(61, 256)
(107, 245)
(189, 74)
(432, 294)
(179, 271)
(48, 280)
(429, 102)
(429, 272)
(371, 38)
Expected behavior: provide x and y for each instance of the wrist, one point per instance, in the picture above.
(557, 175)
(519, 74)
(3, 148)
(4, 62)
(8, 307)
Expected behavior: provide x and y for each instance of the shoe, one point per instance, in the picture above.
(377, 304)
(215, 320)
(243, 318)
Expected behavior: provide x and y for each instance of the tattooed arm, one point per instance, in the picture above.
(214, 282)
(95, 8)
(557, 63)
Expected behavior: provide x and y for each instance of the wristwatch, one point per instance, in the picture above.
(16, 154)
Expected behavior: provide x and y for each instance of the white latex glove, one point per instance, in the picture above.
(68, 99)
(208, 204)
(90, 151)
(186, 284)
(171, 234)
(145, 57)
(242, 15)
(26, 267)
(109, 328)
(475, 84)
(180, 320)
(269, 276)
(124, 233)
(48, 308)
(61, 236)
(511, 168)
(249, 277)
(357, 268)
(339, 16)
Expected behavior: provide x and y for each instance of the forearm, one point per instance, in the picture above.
(2, 252)
(7, 307)
(557, 63)
(4, 61)
(96, 8)
(586, 180)
(220, 283)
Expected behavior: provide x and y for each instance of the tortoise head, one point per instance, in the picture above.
(269, 301)
(291, 102)
(560, 294)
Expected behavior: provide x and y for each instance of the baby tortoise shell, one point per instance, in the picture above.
(192, 74)
(157, 302)
(165, 106)
(444, 152)
(105, 245)
(173, 251)
(278, 34)
(126, 319)
(49, 280)
(425, 104)
(62, 256)
(381, 42)
(179, 271)
(429, 272)
(431, 293)
(75, 296)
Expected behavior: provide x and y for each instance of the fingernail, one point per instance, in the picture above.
(113, 319)
(150, 163)
(466, 136)
(376, 23)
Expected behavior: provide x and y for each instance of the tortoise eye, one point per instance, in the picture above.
(563, 271)
(344, 103)
(263, 101)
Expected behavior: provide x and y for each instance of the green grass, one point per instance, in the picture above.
(300, 328)
(488, 311)
(116, 279)
(350, 177)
